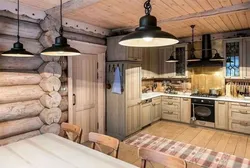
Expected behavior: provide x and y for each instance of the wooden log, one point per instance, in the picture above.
(49, 69)
(64, 117)
(64, 103)
(19, 78)
(63, 91)
(19, 137)
(22, 17)
(14, 63)
(31, 45)
(50, 84)
(51, 99)
(50, 58)
(8, 26)
(49, 116)
(14, 111)
(84, 38)
(53, 128)
(47, 39)
(12, 128)
(11, 94)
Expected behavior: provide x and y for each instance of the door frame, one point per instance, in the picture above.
(100, 51)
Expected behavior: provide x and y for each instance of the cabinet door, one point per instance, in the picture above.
(133, 97)
(146, 73)
(154, 60)
(181, 54)
(133, 120)
(115, 51)
(157, 111)
(134, 53)
(246, 58)
(166, 70)
(146, 114)
(233, 52)
(221, 115)
(185, 110)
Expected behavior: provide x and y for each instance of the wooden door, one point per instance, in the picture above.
(185, 110)
(85, 85)
(133, 97)
(246, 58)
(221, 115)
(166, 70)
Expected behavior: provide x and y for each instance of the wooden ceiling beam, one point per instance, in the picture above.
(70, 6)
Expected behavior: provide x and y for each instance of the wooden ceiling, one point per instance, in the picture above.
(116, 14)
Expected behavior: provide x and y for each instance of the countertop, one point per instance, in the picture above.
(187, 95)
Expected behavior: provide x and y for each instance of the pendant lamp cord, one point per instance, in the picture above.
(148, 7)
(61, 28)
(18, 37)
(192, 49)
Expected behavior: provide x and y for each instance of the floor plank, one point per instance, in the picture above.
(223, 142)
(203, 137)
(214, 140)
(231, 144)
(241, 146)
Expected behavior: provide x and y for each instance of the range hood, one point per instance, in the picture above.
(207, 54)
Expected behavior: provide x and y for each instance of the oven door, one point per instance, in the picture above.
(203, 112)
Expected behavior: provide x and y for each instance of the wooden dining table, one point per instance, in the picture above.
(52, 151)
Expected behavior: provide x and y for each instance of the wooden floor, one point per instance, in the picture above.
(217, 140)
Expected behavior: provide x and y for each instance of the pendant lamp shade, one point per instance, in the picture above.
(217, 57)
(17, 50)
(172, 59)
(148, 34)
(61, 46)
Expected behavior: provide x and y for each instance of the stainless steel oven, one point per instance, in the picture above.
(202, 112)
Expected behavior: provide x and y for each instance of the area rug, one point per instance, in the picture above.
(190, 153)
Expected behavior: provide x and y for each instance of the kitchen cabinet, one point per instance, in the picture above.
(146, 111)
(171, 108)
(166, 70)
(233, 51)
(124, 110)
(246, 58)
(150, 68)
(185, 110)
(156, 109)
(221, 115)
(181, 53)
(117, 52)
(239, 117)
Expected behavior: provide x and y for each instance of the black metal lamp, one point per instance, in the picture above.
(17, 50)
(217, 57)
(192, 56)
(148, 34)
(172, 59)
(61, 47)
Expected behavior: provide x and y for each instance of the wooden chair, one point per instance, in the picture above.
(73, 132)
(105, 140)
(161, 158)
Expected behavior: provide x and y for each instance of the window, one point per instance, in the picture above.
(233, 59)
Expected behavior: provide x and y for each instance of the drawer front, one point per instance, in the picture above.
(156, 100)
(171, 106)
(240, 106)
(239, 126)
(171, 99)
(170, 115)
(240, 114)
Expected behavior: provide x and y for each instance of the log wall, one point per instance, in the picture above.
(34, 91)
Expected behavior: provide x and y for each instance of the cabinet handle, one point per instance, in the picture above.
(170, 97)
(168, 112)
(221, 102)
(202, 123)
(243, 112)
(74, 99)
(185, 99)
(242, 123)
(139, 103)
(170, 103)
(243, 104)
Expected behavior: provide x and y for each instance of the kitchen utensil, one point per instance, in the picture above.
(214, 92)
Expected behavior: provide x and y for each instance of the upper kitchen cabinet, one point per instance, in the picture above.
(234, 58)
(166, 70)
(246, 58)
(181, 53)
(116, 52)
(150, 64)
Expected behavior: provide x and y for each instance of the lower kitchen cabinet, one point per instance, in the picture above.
(221, 114)
(156, 109)
(146, 113)
(185, 110)
(171, 108)
(133, 119)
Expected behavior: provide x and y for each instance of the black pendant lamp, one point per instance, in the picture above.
(17, 50)
(217, 57)
(61, 46)
(172, 59)
(148, 34)
(192, 56)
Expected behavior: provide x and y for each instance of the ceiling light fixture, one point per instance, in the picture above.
(61, 46)
(172, 59)
(148, 34)
(17, 50)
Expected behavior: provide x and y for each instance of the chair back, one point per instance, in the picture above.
(148, 155)
(73, 132)
(111, 142)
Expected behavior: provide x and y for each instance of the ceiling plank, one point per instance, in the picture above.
(71, 6)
